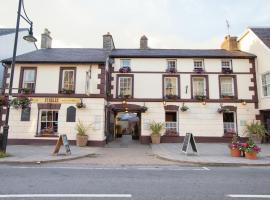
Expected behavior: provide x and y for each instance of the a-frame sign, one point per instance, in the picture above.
(189, 140)
(62, 140)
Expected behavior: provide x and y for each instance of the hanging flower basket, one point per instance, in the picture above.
(184, 108)
(20, 102)
(80, 105)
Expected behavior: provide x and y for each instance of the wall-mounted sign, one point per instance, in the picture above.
(55, 100)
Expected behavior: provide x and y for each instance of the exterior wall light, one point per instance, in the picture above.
(164, 103)
(244, 103)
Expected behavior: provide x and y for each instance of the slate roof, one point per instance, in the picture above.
(6, 31)
(180, 53)
(62, 55)
(263, 34)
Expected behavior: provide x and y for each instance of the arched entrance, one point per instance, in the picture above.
(124, 120)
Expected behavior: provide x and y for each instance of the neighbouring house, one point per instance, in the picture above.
(210, 93)
(256, 40)
(7, 36)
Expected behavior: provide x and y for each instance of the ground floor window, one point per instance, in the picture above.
(48, 122)
(229, 122)
(171, 124)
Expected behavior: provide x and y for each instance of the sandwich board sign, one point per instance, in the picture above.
(62, 140)
(189, 140)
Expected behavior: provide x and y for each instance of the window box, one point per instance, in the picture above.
(125, 96)
(125, 70)
(171, 96)
(226, 70)
(223, 96)
(66, 91)
(26, 91)
(171, 133)
(171, 70)
(200, 97)
(198, 70)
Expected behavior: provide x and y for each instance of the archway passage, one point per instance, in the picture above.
(124, 123)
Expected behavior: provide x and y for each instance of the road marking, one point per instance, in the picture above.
(248, 196)
(115, 168)
(65, 196)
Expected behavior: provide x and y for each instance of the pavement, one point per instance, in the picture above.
(28, 154)
(124, 151)
(217, 154)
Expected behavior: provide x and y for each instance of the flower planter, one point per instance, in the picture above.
(81, 140)
(235, 153)
(155, 139)
(251, 155)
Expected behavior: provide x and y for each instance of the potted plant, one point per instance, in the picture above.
(251, 149)
(156, 128)
(125, 70)
(235, 147)
(184, 108)
(171, 70)
(256, 131)
(81, 137)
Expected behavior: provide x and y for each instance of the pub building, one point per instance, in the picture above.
(211, 93)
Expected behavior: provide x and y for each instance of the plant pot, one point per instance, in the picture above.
(81, 140)
(155, 139)
(251, 155)
(235, 153)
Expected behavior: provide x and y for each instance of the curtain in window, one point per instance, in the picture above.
(198, 86)
(68, 80)
(226, 86)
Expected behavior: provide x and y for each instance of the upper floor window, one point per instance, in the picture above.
(226, 64)
(198, 64)
(125, 63)
(68, 80)
(266, 84)
(125, 87)
(170, 87)
(28, 79)
(199, 86)
(171, 66)
(226, 87)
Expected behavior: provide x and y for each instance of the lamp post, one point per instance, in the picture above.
(29, 38)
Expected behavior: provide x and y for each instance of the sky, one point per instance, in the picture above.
(186, 24)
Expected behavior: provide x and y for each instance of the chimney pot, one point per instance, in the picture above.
(144, 42)
(46, 39)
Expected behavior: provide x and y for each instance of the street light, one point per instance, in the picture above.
(29, 38)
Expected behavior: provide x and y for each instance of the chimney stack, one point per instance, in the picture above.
(108, 43)
(230, 43)
(46, 39)
(144, 42)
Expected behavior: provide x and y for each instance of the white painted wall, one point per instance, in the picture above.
(252, 44)
(94, 110)
(48, 77)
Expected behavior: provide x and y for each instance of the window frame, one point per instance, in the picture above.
(177, 84)
(40, 121)
(226, 60)
(206, 85)
(197, 60)
(61, 76)
(121, 62)
(176, 122)
(21, 81)
(263, 96)
(118, 76)
(234, 80)
(172, 60)
(235, 122)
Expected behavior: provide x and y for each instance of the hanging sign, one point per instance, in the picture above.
(55, 100)
(62, 140)
(189, 140)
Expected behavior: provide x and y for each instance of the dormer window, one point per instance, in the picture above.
(171, 66)
(226, 66)
(198, 66)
